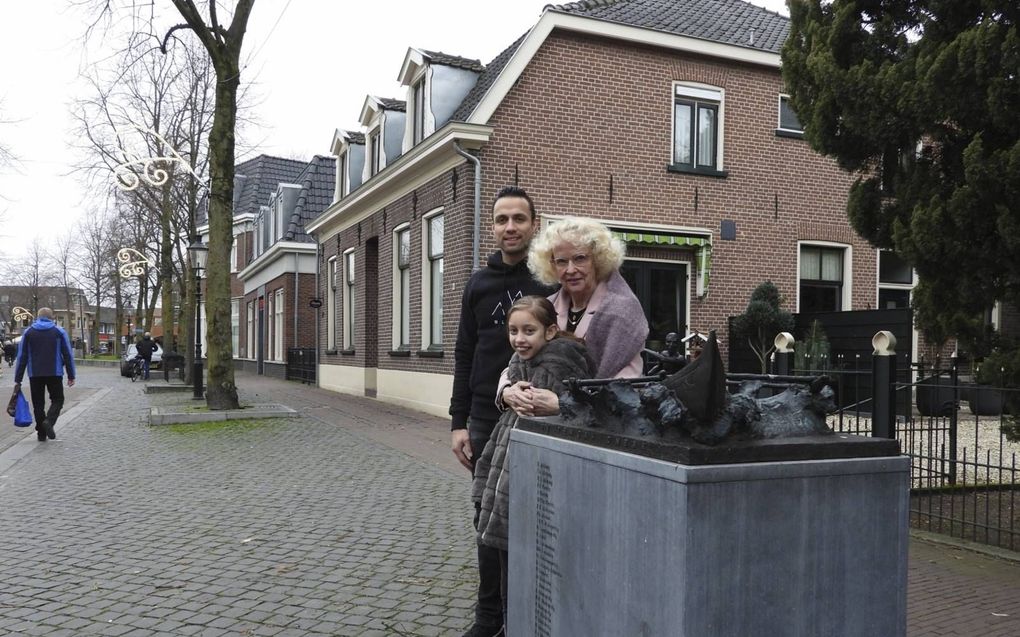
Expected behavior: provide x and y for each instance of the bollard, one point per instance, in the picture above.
(883, 377)
(784, 354)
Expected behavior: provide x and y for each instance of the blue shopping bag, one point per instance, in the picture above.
(22, 412)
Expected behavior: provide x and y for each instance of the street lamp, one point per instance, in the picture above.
(127, 322)
(198, 253)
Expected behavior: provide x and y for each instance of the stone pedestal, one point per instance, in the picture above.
(608, 543)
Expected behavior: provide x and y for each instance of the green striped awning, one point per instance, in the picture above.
(702, 244)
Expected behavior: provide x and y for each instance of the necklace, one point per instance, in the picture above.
(574, 318)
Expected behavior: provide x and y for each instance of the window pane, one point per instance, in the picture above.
(832, 265)
(682, 134)
(787, 118)
(350, 268)
(699, 93)
(820, 298)
(437, 301)
(810, 266)
(706, 136)
(405, 307)
(436, 236)
(893, 269)
(404, 248)
(664, 302)
(893, 299)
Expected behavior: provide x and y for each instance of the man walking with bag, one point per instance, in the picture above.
(44, 352)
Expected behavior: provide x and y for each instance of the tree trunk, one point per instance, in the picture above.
(166, 269)
(221, 392)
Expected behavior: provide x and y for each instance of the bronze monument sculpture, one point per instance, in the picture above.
(694, 404)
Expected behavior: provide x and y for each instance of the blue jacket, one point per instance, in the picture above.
(44, 350)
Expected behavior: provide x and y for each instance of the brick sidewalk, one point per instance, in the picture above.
(351, 520)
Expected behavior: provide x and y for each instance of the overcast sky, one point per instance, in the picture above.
(311, 61)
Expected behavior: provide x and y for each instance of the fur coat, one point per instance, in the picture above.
(560, 359)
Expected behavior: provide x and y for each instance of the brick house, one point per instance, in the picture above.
(665, 119)
(272, 261)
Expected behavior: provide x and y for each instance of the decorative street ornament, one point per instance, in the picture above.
(133, 268)
(21, 314)
(128, 177)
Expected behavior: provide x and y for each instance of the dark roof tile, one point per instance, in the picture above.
(732, 22)
(317, 184)
(254, 180)
(391, 104)
(445, 59)
(485, 81)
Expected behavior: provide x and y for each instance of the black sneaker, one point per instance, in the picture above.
(52, 435)
(482, 630)
(41, 435)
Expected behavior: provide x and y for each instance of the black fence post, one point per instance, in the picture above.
(784, 354)
(883, 378)
(954, 420)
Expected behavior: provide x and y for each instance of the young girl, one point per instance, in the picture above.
(543, 357)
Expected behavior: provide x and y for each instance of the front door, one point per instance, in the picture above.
(260, 336)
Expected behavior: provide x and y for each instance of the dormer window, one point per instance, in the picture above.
(349, 149)
(342, 184)
(418, 101)
(374, 152)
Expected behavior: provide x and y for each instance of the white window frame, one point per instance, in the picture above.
(846, 302)
(705, 93)
(233, 256)
(779, 117)
(235, 327)
(882, 285)
(342, 181)
(375, 152)
(350, 307)
(419, 103)
(427, 337)
(278, 305)
(331, 275)
(250, 348)
(401, 306)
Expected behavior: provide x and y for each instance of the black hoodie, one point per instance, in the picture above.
(483, 347)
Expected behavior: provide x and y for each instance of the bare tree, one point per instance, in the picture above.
(224, 48)
(30, 271)
(93, 259)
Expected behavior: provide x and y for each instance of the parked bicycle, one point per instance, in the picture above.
(137, 368)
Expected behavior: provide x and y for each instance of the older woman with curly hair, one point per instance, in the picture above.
(593, 302)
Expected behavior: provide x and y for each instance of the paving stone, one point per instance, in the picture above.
(218, 530)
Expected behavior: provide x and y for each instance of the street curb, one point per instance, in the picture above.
(177, 415)
(965, 545)
(20, 449)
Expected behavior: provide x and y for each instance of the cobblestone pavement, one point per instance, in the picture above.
(351, 520)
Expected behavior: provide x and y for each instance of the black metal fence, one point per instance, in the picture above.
(301, 364)
(964, 476)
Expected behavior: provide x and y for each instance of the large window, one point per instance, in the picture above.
(435, 270)
(402, 288)
(662, 289)
(331, 271)
(349, 305)
(278, 327)
(821, 278)
(696, 126)
(235, 326)
(895, 281)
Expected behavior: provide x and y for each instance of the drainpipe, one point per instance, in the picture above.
(296, 297)
(478, 202)
(318, 258)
